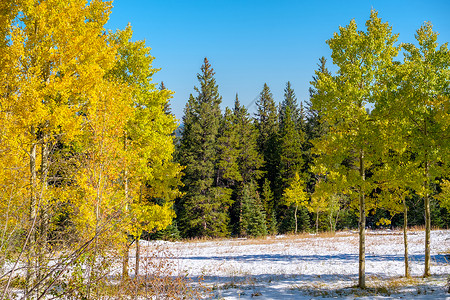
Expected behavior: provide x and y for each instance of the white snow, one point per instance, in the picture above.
(311, 267)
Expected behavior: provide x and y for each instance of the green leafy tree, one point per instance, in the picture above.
(296, 195)
(421, 109)
(361, 58)
(151, 173)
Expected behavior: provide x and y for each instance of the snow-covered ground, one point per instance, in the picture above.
(311, 267)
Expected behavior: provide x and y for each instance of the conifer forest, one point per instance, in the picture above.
(93, 163)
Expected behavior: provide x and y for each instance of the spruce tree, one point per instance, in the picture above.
(267, 125)
(203, 209)
(250, 161)
(252, 221)
(290, 101)
(268, 204)
(228, 151)
(239, 161)
(291, 158)
(315, 127)
(291, 140)
(167, 108)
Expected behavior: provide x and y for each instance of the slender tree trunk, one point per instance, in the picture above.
(295, 216)
(42, 232)
(138, 257)
(125, 258)
(336, 220)
(330, 219)
(427, 213)
(30, 274)
(362, 227)
(427, 228)
(125, 261)
(317, 221)
(405, 237)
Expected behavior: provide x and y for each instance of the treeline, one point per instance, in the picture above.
(371, 144)
(239, 167)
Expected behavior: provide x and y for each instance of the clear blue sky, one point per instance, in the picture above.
(252, 42)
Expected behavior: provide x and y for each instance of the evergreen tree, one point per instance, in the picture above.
(291, 159)
(313, 114)
(290, 101)
(315, 127)
(167, 108)
(228, 150)
(250, 160)
(291, 140)
(268, 144)
(203, 209)
(267, 201)
(239, 161)
(252, 221)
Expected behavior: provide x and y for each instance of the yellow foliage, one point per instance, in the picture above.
(295, 193)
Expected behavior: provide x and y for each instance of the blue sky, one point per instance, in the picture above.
(252, 42)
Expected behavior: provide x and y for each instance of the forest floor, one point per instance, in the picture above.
(307, 266)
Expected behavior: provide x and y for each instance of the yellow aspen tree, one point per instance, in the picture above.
(57, 53)
(343, 100)
(296, 195)
(324, 200)
(424, 113)
(151, 178)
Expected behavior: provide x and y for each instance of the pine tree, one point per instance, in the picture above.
(228, 145)
(167, 108)
(315, 127)
(204, 208)
(291, 154)
(268, 204)
(290, 101)
(291, 158)
(239, 161)
(268, 140)
(252, 221)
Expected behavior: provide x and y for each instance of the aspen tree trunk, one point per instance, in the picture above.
(125, 260)
(427, 213)
(138, 257)
(330, 219)
(138, 246)
(427, 226)
(295, 216)
(41, 233)
(362, 227)
(405, 237)
(30, 275)
(317, 221)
